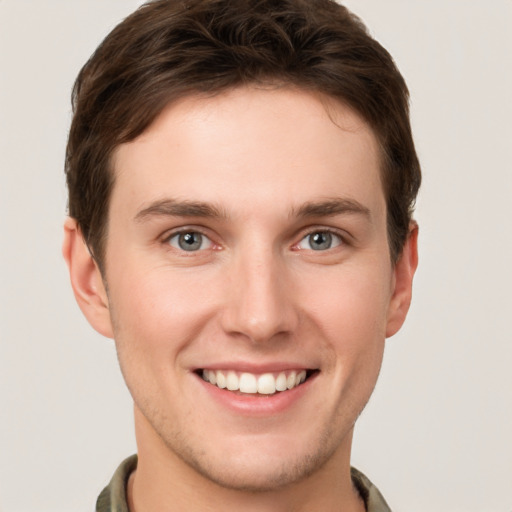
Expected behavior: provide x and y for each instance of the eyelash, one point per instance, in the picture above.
(184, 231)
(342, 239)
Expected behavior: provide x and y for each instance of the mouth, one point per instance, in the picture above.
(246, 383)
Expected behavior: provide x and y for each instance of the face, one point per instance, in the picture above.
(250, 287)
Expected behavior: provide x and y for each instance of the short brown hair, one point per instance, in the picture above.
(168, 49)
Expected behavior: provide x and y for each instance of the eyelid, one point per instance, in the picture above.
(345, 238)
(342, 235)
(168, 235)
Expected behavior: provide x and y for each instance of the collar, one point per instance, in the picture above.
(113, 497)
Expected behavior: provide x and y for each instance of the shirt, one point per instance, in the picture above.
(113, 497)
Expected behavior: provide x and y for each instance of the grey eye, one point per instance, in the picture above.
(190, 241)
(320, 241)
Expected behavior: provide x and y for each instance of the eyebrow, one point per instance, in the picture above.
(331, 207)
(175, 208)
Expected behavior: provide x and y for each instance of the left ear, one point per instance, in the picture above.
(403, 274)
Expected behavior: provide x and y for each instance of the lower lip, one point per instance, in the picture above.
(257, 405)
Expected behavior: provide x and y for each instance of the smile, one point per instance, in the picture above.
(250, 383)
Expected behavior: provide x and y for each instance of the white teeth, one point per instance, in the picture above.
(232, 381)
(265, 384)
(281, 382)
(221, 380)
(248, 383)
(291, 380)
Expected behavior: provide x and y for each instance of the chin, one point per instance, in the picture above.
(259, 477)
(255, 467)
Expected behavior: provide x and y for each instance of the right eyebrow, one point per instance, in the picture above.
(175, 208)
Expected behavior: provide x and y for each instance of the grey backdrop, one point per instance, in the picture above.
(436, 435)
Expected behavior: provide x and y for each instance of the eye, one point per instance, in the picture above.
(190, 241)
(320, 241)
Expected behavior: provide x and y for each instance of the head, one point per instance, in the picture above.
(168, 50)
(241, 180)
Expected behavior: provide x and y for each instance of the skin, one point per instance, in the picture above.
(268, 168)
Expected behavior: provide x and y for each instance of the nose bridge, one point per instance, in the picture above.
(259, 304)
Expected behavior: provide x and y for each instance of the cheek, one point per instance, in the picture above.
(153, 319)
(350, 305)
(158, 310)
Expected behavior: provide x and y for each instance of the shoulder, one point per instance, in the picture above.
(113, 497)
(372, 497)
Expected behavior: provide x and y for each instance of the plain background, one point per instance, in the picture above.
(436, 435)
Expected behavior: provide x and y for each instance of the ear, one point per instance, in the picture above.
(86, 279)
(403, 275)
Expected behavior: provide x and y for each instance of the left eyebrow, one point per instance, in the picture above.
(331, 207)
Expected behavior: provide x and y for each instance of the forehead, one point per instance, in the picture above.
(280, 146)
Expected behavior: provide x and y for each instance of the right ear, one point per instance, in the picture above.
(86, 279)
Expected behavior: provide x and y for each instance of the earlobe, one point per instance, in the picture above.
(403, 276)
(86, 279)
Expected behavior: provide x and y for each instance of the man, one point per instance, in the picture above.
(241, 181)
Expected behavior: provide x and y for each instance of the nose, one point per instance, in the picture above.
(259, 302)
